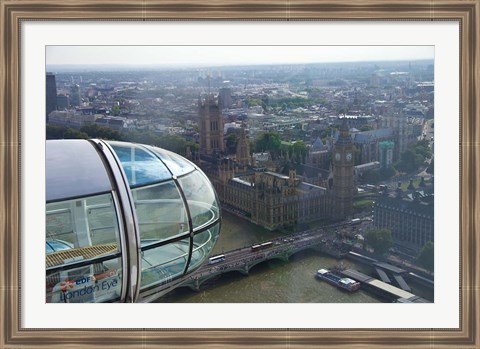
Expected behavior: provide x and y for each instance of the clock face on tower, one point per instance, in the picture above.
(349, 157)
(337, 156)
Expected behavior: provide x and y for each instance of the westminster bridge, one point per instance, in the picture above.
(243, 259)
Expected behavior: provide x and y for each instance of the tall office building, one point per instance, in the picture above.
(75, 95)
(225, 97)
(63, 101)
(51, 94)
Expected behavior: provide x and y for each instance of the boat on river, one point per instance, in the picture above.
(344, 283)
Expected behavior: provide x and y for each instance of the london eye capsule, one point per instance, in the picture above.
(125, 222)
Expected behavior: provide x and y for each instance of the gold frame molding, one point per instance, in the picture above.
(13, 12)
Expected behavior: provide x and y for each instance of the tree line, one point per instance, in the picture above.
(381, 241)
(173, 143)
(410, 161)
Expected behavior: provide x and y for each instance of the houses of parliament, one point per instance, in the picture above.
(262, 195)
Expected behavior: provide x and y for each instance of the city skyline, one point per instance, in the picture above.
(193, 55)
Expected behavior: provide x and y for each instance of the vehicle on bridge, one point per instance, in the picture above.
(355, 221)
(216, 259)
(262, 246)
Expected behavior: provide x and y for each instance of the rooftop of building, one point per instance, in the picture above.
(306, 188)
(318, 145)
(406, 206)
(366, 136)
(368, 164)
(277, 175)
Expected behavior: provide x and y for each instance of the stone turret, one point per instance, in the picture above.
(243, 148)
(210, 126)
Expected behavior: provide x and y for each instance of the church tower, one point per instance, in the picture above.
(210, 126)
(342, 167)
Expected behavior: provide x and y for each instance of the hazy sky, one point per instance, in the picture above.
(228, 55)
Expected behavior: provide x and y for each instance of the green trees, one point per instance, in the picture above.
(375, 176)
(231, 141)
(414, 157)
(173, 143)
(298, 151)
(387, 172)
(63, 132)
(370, 177)
(55, 132)
(362, 205)
(288, 102)
(379, 239)
(431, 167)
(98, 131)
(252, 102)
(409, 161)
(426, 256)
(144, 137)
(115, 110)
(72, 133)
(268, 142)
(422, 148)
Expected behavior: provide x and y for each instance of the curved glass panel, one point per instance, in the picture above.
(203, 244)
(160, 211)
(201, 199)
(162, 264)
(140, 166)
(80, 230)
(176, 164)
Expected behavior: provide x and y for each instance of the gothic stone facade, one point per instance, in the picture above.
(269, 199)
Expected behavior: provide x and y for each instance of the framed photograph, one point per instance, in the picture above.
(313, 41)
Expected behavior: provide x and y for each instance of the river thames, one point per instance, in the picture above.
(272, 281)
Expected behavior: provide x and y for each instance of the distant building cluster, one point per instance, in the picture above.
(77, 119)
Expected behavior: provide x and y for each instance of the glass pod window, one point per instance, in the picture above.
(177, 211)
(83, 255)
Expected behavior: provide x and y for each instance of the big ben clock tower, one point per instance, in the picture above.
(342, 165)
